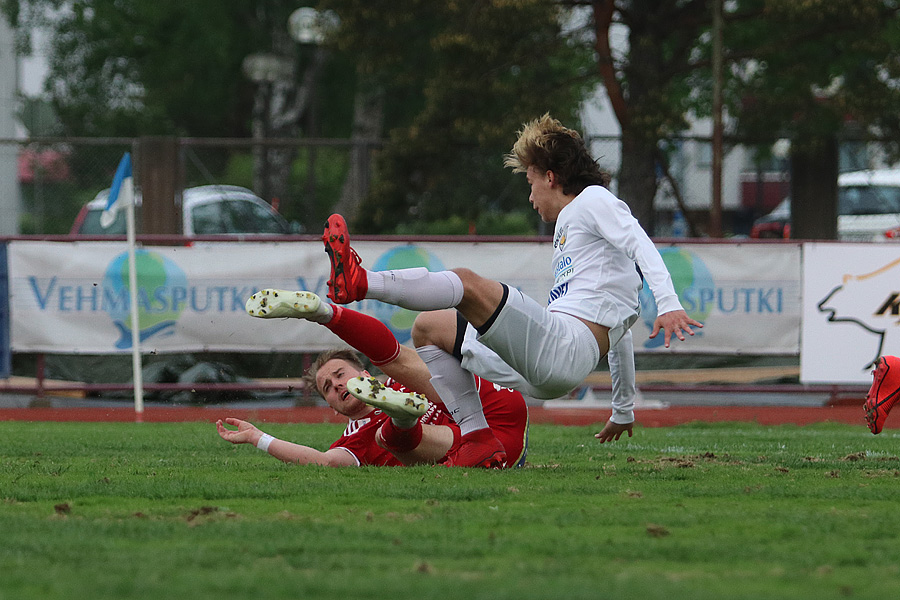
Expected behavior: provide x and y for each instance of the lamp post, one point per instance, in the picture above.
(263, 69)
(309, 28)
(282, 96)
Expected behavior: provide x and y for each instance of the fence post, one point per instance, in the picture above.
(159, 177)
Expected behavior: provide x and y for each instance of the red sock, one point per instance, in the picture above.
(400, 440)
(367, 334)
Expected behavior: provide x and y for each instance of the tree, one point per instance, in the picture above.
(152, 68)
(649, 84)
(447, 83)
(816, 72)
(458, 78)
(808, 70)
(133, 68)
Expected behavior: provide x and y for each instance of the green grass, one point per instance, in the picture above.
(696, 511)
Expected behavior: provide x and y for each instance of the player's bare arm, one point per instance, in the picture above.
(247, 433)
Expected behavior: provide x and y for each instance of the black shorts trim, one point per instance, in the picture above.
(487, 324)
(461, 325)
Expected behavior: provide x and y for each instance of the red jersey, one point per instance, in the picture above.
(504, 410)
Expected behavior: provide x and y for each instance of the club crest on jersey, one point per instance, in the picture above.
(560, 239)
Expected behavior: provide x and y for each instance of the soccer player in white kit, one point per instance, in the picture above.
(510, 339)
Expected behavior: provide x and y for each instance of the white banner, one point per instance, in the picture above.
(850, 310)
(73, 297)
(746, 295)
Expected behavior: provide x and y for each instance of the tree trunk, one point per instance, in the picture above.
(637, 178)
(814, 190)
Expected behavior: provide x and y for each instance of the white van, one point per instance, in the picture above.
(868, 209)
(869, 205)
(205, 210)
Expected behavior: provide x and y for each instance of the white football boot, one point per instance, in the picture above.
(278, 304)
(402, 405)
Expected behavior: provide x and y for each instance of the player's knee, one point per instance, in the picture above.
(434, 328)
(424, 328)
(481, 296)
(468, 277)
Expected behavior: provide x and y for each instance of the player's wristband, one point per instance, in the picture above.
(264, 441)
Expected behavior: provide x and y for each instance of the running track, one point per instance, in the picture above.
(664, 417)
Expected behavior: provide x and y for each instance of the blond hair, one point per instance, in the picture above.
(548, 145)
(344, 354)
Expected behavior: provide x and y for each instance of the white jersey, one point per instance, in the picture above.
(595, 247)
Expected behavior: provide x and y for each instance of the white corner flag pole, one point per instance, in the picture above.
(135, 328)
(121, 194)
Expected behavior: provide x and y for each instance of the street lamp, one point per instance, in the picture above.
(310, 26)
(264, 70)
(282, 97)
(267, 68)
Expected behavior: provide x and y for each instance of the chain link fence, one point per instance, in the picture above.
(305, 180)
(308, 179)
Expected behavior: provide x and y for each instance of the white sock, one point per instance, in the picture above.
(405, 422)
(416, 289)
(323, 314)
(456, 387)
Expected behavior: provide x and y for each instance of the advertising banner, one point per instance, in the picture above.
(746, 295)
(851, 310)
(74, 297)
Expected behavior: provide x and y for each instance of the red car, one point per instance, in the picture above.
(776, 224)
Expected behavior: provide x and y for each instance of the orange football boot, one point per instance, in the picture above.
(884, 392)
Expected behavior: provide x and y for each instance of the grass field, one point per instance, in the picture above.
(122, 510)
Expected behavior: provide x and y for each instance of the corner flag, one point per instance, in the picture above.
(121, 193)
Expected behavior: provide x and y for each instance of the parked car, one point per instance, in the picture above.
(205, 210)
(776, 224)
(868, 209)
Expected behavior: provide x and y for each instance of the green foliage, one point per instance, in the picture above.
(49, 207)
(806, 69)
(702, 511)
(488, 223)
(149, 68)
(459, 80)
(318, 175)
(239, 169)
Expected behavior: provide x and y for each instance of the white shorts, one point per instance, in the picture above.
(540, 353)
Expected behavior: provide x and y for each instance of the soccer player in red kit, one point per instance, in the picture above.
(390, 430)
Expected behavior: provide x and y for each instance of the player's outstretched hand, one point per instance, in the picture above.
(676, 323)
(613, 431)
(246, 433)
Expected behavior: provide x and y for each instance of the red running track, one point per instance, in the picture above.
(764, 415)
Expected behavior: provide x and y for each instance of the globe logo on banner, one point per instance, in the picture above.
(689, 274)
(157, 313)
(400, 320)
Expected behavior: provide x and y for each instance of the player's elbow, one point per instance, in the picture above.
(336, 457)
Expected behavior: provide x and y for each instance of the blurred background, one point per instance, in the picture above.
(708, 114)
(716, 119)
